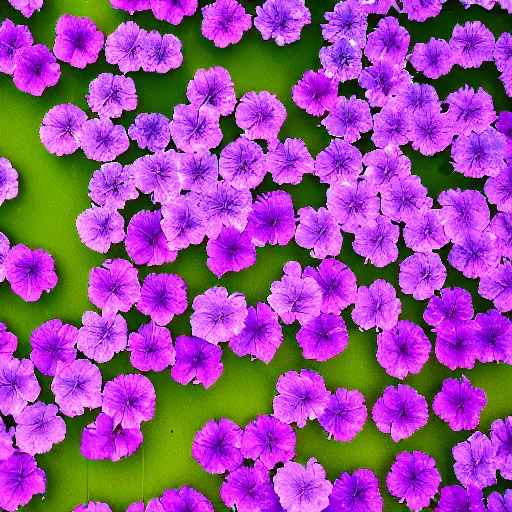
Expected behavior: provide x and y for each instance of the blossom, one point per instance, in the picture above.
(315, 92)
(433, 59)
(347, 20)
(131, 6)
(419, 11)
(102, 140)
(502, 51)
(421, 274)
(376, 240)
(431, 132)
(269, 440)
(93, 506)
(282, 20)
(195, 130)
(77, 385)
(183, 499)
(61, 129)
(151, 131)
(151, 348)
(497, 286)
(384, 164)
(112, 185)
(29, 272)
(8, 342)
(124, 47)
(414, 479)
(218, 316)
(216, 446)
(455, 498)
(498, 189)
(260, 115)
(12, 38)
(169, 10)
(323, 337)
(342, 60)
(424, 231)
(498, 503)
(295, 297)
(400, 412)
(39, 428)
(472, 44)
(389, 41)
(77, 41)
(27, 7)
(403, 197)
(301, 397)
(145, 241)
(115, 287)
(501, 228)
(302, 488)
(198, 172)
(344, 415)
(376, 306)
(196, 359)
(391, 126)
(457, 348)
(338, 162)
(183, 223)
(403, 349)
(288, 161)
(459, 404)
(129, 400)
(162, 296)
(224, 22)
(18, 385)
(160, 53)
(6, 447)
(99, 227)
(8, 181)
(100, 338)
(493, 337)
(475, 463)
(53, 342)
(501, 437)
(36, 69)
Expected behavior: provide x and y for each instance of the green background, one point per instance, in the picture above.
(53, 192)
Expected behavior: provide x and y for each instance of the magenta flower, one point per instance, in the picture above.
(315, 92)
(8, 342)
(8, 181)
(433, 59)
(421, 274)
(501, 228)
(498, 188)
(457, 348)
(345, 21)
(342, 60)
(18, 385)
(501, 436)
(388, 42)
(289, 161)
(27, 7)
(12, 39)
(159, 53)
(424, 231)
(109, 95)
(493, 337)
(497, 286)
(384, 164)
(472, 44)
(391, 126)
(102, 140)
(431, 132)
(455, 498)
(339, 162)
(124, 47)
(112, 185)
(498, 503)
(100, 227)
(198, 172)
(184, 499)
(93, 506)
(172, 11)
(131, 6)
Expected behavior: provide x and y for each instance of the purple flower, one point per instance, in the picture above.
(475, 463)
(217, 317)
(124, 47)
(323, 337)
(53, 342)
(131, 5)
(457, 348)
(376, 240)
(498, 503)
(102, 140)
(195, 130)
(93, 506)
(78, 41)
(337, 284)
(302, 488)
(318, 231)
(431, 131)
(419, 98)
(358, 492)
(242, 164)
(421, 274)
(29, 272)
(388, 42)
(151, 131)
(198, 172)
(348, 118)
(424, 231)
(501, 436)
(497, 286)
(151, 348)
(105, 440)
(216, 446)
(455, 498)
(172, 11)
(99, 227)
(498, 189)
(339, 162)
(282, 20)
(36, 69)
(100, 338)
(301, 397)
(162, 296)
(213, 87)
(27, 7)
(433, 59)
(112, 185)
(6, 447)
(419, 10)
(160, 53)
(295, 297)
(315, 92)
(414, 479)
(8, 181)
(342, 60)
(391, 126)
(376, 306)
(504, 126)
(347, 20)
(260, 115)
(472, 44)
(403, 349)
(493, 337)
(344, 415)
(196, 359)
(12, 38)
(8, 342)
(115, 287)
(269, 440)
(459, 404)
(503, 52)
(400, 412)
(384, 164)
(18, 385)
(288, 161)
(20, 479)
(39, 428)
(61, 129)
(501, 228)
(129, 400)
(224, 22)
(145, 241)
(77, 385)
(183, 500)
